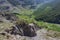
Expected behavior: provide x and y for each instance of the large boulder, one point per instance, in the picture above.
(23, 29)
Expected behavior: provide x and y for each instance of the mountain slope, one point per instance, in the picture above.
(22, 3)
(20, 6)
(49, 12)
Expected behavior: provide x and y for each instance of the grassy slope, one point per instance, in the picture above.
(27, 16)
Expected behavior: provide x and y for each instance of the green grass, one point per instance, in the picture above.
(26, 15)
(26, 18)
(49, 26)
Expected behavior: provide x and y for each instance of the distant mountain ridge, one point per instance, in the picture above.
(22, 3)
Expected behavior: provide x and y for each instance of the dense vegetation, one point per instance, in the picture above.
(48, 12)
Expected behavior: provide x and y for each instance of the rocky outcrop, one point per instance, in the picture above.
(23, 29)
(8, 17)
(11, 17)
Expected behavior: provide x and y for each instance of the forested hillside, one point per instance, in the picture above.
(49, 12)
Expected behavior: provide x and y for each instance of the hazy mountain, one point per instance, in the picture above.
(23, 3)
